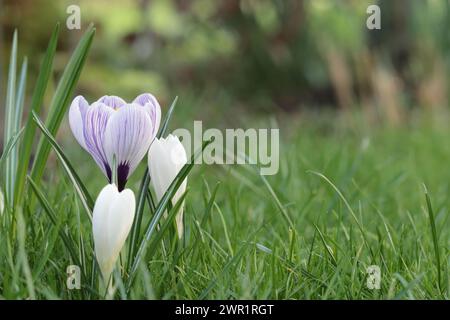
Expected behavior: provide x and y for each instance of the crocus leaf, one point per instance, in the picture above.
(36, 104)
(9, 113)
(61, 99)
(81, 190)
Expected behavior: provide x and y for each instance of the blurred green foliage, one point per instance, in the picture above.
(254, 54)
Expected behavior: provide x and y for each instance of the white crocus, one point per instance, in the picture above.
(111, 222)
(166, 158)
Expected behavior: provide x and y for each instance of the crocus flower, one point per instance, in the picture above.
(111, 222)
(166, 158)
(112, 129)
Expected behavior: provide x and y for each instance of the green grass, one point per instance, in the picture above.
(366, 207)
(348, 195)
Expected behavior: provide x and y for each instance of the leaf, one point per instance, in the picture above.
(168, 221)
(36, 104)
(81, 190)
(60, 101)
(52, 216)
(163, 129)
(9, 146)
(352, 213)
(9, 114)
(210, 205)
(139, 214)
(18, 113)
(435, 238)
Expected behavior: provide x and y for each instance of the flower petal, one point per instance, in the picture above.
(166, 158)
(77, 113)
(120, 220)
(99, 226)
(111, 222)
(128, 136)
(114, 102)
(149, 102)
(96, 120)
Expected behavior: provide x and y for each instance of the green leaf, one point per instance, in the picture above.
(69, 244)
(435, 238)
(352, 213)
(61, 99)
(209, 206)
(168, 221)
(139, 214)
(9, 146)
(9, 114)
(163, 128)
(18, 112)
(81, 190)
(36, 104)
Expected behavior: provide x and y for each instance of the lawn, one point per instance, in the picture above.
(348, 195)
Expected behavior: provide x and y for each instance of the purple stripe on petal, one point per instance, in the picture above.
(114, 102)
(96, 119)
(128, 135)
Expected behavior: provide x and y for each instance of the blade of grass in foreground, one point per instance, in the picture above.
(272, 193)
(81, 190)
(435, 237)
(60, 101)
(134, 234)
(18, 112)
(52, 216)
(7, 150)
(36, 105)
(9, 147)
(168, 221)
(9, 114)
(352, 213)
(160, 209)
(67, 240)
(162, 131)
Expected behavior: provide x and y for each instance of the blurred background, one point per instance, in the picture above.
(258, 57)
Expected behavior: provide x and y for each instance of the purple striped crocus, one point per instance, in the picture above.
(112, 129)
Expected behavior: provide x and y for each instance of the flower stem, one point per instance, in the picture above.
(114, 171)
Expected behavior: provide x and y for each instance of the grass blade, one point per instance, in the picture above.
(167, 223)
(211, 202)
(9, 146)
(139, 214)
(18, 112)
(52, 216)
(9, 114)
(163, 128)
(36, 104)
(352, 213)
(60, 101)
(435, 237)
(81, 190)
(326, 246)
